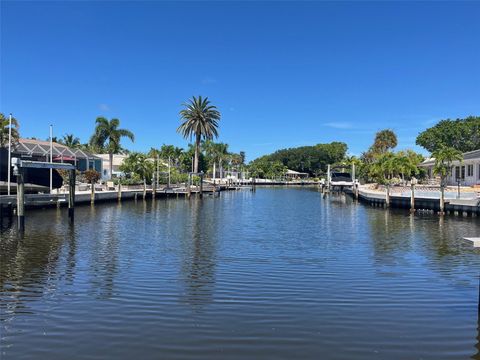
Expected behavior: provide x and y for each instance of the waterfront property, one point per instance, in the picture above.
(118, 160)
(38, 150)
(240, 276)
(467, 172)
(295, 175)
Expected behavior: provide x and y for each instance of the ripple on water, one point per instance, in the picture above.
(279, 273)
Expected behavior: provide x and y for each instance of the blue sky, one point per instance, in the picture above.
(283, 74)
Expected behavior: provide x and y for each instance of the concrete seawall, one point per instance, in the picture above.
(452, 206)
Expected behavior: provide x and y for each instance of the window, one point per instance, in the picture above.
(460, 172)
(457, 172)
(469, 170)
(478, 173)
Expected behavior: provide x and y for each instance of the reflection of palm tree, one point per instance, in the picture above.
(104, 255)
(199, 264)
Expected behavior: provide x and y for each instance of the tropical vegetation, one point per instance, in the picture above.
(107, 137)
(460, 134)
(199, 121)
(4, 130)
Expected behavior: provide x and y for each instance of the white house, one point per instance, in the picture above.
(117, 161)
(467, 171)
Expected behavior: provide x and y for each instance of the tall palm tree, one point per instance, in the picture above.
(220, 155)
(4, 122)
(385, 140)
(199, 119)
(107, 136)
(70, 140)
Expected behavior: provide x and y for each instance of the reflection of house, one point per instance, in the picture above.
(117, 162)
(38, 150)
(291, 175)
(467, 171)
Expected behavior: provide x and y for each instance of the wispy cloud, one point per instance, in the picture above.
(339, 125)
(104, 107)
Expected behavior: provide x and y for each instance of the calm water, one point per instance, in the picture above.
(276, 274)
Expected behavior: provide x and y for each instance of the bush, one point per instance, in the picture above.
(91, 176)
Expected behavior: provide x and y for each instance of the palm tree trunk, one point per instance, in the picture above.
(110, 156)
(144, 188)
(197, 150)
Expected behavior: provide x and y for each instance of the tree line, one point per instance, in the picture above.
(200, 122)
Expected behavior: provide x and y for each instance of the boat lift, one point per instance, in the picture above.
(20, 165)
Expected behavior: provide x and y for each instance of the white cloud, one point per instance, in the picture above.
(104, 107)
(339, 125)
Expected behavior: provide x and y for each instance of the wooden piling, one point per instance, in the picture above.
(71, 196)
(21, 200)
(412, 199)
(442, 200)
(387, 196)
(119, 191)
(92, 193)
(201, 185)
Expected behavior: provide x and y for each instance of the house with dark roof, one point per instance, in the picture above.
(39, 150)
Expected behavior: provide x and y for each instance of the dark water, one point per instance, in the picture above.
(276, 274)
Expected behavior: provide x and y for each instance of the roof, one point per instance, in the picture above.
(475, 154)
(292, 172)
(42, 148)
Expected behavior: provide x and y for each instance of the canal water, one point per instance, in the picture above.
(275, 274)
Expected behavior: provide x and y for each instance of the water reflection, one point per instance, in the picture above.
(198, 263)
(299, 272)
(24, 262)
(104, 254)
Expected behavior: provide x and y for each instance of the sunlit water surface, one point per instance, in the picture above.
(276, 274)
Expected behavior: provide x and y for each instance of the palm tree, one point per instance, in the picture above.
(220, 155)
(200, 119)
(138, 164)
(70, 140)
(107, 136)
(4, 123)
(385, 140)
(444, 157)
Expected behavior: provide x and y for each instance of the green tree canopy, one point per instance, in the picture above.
(4, 129)
(460, 134)
(308, 159)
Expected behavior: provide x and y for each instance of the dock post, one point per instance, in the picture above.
(119, 190)
(442, 199)
(412, 198)
(92, 194)
(387, 196)
(355, 186)
(21, 200)
(71, 196)
(189, 189)
(201, 185)
(154, 187)
(329, 177)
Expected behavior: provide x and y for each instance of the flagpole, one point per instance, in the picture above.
(51, 157)
(9, 151)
